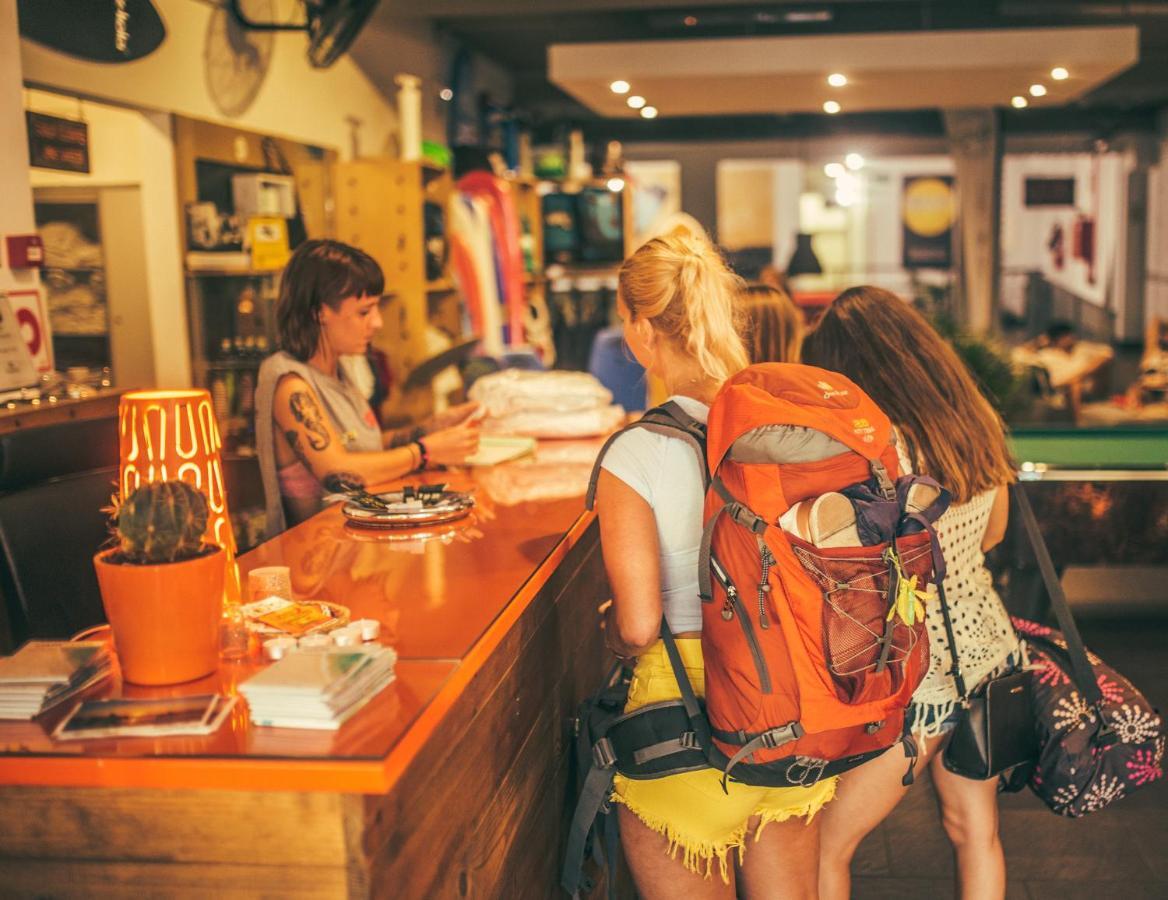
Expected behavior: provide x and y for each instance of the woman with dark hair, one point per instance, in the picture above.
(949, 431)
(315, 432)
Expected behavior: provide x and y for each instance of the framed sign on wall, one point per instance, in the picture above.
(28, 308)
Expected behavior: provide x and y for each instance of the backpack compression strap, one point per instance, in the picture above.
(740, 513)
(668, 419)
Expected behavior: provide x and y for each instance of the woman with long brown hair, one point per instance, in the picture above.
(949, 431)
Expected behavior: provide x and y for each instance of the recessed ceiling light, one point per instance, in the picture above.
(636, 101)
(1058, 73)
(833, 170)
(836, 79)
(690, 21)
(619, 87)
(1019, 102)
(446, 94)
(649, 112)
(616, 184)
(831, 107)
(854, 161)
(1038, 90)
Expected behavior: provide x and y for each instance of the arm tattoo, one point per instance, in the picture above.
(293, 438)
(339, 482)
(308, 414)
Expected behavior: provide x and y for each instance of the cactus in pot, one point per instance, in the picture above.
(161, 522)
(161, 585)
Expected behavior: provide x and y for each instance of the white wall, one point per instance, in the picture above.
(135, 149)
(295, 100)
(16, 204)
(1100, 189)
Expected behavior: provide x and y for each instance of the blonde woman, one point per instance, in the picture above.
(774, 325)
(682, 835)
(951, 433)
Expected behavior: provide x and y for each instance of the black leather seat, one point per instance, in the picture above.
(31, 455)
(49, 533)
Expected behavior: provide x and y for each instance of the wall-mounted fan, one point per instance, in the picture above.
(235, 60)
(332, 26)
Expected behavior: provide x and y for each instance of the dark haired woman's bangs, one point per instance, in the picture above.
(366, 277)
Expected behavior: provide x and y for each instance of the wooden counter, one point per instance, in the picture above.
(102, 404)
(451, 782)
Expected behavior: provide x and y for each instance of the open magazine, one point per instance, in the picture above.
(166, 717)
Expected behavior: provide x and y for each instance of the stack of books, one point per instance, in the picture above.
(43, 674)
(318, 688)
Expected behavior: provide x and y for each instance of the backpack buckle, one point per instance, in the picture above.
(784, 734)
(883, 482)
(689, 741)
(747, 518)
(603, 756)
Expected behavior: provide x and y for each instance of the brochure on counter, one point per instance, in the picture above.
(318, 688)
(166, 717)
(44, 674)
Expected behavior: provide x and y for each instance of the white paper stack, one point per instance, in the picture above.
(318, 689)
(42, 674)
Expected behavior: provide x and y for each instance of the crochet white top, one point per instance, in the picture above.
(981, 626)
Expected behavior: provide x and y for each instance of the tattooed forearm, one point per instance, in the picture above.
(308, 414)
(338, 482)
(292, 436)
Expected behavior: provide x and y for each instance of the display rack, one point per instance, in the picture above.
(231, 309)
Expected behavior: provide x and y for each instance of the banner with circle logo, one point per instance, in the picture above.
(928, 211)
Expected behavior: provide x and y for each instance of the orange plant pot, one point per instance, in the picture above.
(165, 618)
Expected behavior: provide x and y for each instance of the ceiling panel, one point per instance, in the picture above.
(901, 71)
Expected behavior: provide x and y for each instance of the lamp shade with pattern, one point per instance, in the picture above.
(172, 435)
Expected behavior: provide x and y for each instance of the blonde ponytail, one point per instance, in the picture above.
(681, 284)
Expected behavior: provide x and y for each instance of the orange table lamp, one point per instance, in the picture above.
(172, 435)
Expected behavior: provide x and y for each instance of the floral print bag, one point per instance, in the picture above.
(1101, 739)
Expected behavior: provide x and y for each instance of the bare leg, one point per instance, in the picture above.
(865, 797)
(969, 812)
(657, 875)
(783, 863)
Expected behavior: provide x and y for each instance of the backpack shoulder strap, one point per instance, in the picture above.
(668, 419)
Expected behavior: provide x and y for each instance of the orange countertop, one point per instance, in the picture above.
(445, 598)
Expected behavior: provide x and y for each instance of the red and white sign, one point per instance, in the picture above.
(29, 309)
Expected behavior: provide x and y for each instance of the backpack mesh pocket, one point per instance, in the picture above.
(856, 584)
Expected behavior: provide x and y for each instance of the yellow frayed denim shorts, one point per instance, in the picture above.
(691, 810)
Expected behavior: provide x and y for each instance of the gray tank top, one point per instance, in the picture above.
(347, 409)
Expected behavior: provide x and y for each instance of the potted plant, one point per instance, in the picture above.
(162, 586)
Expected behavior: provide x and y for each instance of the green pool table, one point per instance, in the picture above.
(1129, 453)
(1101, 498)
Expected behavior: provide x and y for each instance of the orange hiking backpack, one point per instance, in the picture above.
(811, 653)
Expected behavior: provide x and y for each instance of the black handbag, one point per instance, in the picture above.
(997, 731)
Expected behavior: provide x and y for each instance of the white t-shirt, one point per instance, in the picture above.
(666, 473)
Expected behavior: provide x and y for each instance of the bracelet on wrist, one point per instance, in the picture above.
(423, 455)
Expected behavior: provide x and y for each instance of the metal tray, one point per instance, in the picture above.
(410, 509)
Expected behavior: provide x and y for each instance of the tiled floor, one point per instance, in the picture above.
(1121, 852)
